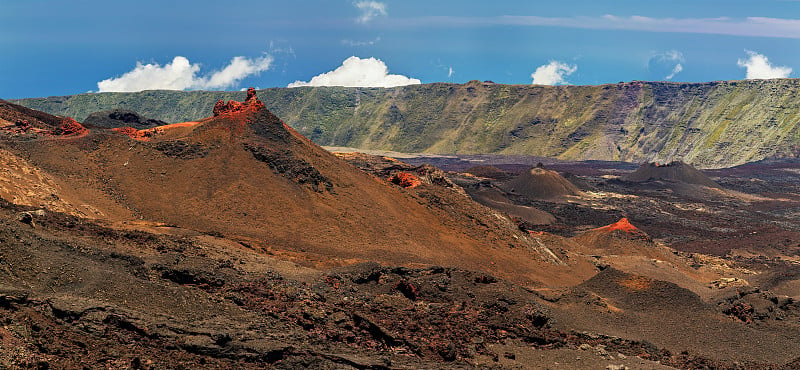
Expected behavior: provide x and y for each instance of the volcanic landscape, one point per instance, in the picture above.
(234, 242)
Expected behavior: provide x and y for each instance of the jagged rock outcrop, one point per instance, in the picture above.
(251, 102)
(69, 126)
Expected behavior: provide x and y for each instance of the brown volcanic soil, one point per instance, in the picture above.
(675, 171)
(244, 174)
(751, 225)
(637, 307)
(664, 315)
(444, 197)
(90, 296)
(234, 242)
(11, 113)
(495, 198)
(618, 238)
(540, 183)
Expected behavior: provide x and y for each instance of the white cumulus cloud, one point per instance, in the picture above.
(370, 10)
(759, 67)
(181, 74)
(553, 73)
(678, 69)
(357, 72)
(238, 69)
(666, 64)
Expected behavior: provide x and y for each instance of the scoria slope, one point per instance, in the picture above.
(245, 175)
(233, 241)
(715, 124)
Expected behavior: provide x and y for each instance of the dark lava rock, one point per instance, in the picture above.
(121, 118)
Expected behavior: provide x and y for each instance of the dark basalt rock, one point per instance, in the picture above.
(296, 169)
(121, 118)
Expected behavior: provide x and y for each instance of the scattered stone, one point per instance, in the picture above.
(409, 290)
(25, 218)
(600, 349)
(23, 125)
(724, 282)
(485, 279)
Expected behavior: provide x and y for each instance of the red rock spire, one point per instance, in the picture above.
(251, 103)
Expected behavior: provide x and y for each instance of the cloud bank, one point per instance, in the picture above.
(553, 73)
(749, 26)
(181, 74)
(759, 67)
(357, 72)
(370, 10)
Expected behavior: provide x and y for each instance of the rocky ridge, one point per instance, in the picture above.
(709, 125)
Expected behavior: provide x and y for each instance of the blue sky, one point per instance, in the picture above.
(68, 47)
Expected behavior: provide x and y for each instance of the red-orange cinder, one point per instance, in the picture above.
(623, 225)
(70, 126)
(405, 180)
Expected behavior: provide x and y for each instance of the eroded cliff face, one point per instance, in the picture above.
(715, 124)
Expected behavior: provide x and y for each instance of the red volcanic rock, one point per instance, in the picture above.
(23, 125)
(623, 225)
(139, 134)
(408, 289)
(222, 107)
(251, 102)
(405, 180)
(742, 311)
(219, 107)
(130, 131)
(251, 94)
(69, 126)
